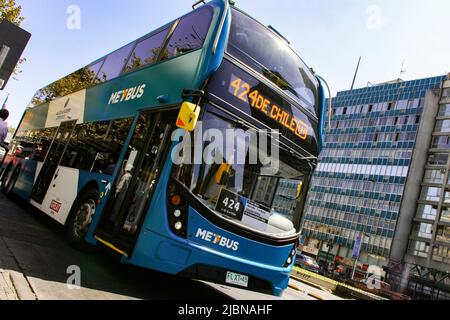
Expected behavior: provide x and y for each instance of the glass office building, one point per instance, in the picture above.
(358, 187)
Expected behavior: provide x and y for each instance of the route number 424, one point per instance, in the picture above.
(231, 204)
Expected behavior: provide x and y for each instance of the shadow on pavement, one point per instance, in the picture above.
(33, 244)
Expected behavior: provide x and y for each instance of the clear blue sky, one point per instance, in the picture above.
(330, 35)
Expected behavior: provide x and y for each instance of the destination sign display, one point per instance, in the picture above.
(243, 91)
(258, 101)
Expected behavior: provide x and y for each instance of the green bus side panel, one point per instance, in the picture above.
(168, 79)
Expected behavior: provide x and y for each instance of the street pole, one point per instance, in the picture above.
(354, 268)
(4, 103)
(358, 244)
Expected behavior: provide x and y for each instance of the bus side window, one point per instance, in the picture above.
(147, 51)
(42, 144)
(114, 63)
(190, 33)
(96, 146)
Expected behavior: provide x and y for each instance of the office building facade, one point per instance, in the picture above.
(357, 192)
(420, 257)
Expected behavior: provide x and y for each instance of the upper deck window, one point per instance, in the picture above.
(147, 51)
(114, 63)
(81, 79)
(258, 47)
(190, 33)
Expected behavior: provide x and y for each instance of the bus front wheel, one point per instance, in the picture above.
(80, 218)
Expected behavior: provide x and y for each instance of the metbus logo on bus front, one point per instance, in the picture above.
(217, 239)
(127, 94)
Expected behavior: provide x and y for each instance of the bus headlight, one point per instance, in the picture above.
(177, 213)
(291, 257)
(178, 226)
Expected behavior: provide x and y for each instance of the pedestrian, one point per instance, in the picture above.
(4, 114)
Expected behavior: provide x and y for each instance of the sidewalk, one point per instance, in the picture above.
(13, 284)
(7, 290)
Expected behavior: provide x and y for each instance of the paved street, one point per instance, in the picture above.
(34, 258)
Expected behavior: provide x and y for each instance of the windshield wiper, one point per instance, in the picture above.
(291, 199)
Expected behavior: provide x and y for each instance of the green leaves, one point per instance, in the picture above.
(11, 11)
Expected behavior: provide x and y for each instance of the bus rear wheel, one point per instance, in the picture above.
(4, 177)
(11, 182)
(80, 218)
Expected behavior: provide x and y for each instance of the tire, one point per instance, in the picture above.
(5, 177)
(11, 182)
(80, 218)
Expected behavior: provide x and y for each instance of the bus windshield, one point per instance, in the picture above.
(258, 47)
(253, 195)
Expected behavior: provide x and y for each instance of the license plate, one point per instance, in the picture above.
(237, 279)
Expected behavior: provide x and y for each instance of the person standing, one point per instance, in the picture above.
(4, 114)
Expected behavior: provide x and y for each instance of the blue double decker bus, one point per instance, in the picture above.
(95, 150)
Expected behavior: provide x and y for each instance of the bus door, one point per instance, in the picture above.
(52, 160)
(132, 192)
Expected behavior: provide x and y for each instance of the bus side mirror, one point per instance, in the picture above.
(188, 116)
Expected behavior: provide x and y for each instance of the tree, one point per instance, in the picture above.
(12, 12)
(76, 81)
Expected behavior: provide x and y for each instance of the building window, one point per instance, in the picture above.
(445, 215)
(444, 110)
(430, 194)
(427, 212)
(434, 176)
(446, 93)
(419, 248)
(447, 197)
(443, 234)
(441, 142)
(442, 126)
(422, 102)
(423, 230)
(438, 159)
(441, 254)
(391, 106)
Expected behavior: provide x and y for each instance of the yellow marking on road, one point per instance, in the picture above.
(336, 283)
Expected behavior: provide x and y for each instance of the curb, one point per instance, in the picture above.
(22, 286)
(7, 290)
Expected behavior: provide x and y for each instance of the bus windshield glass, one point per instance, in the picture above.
(261, 49)
(248, 193)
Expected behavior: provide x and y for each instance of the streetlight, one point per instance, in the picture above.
(357, 251)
